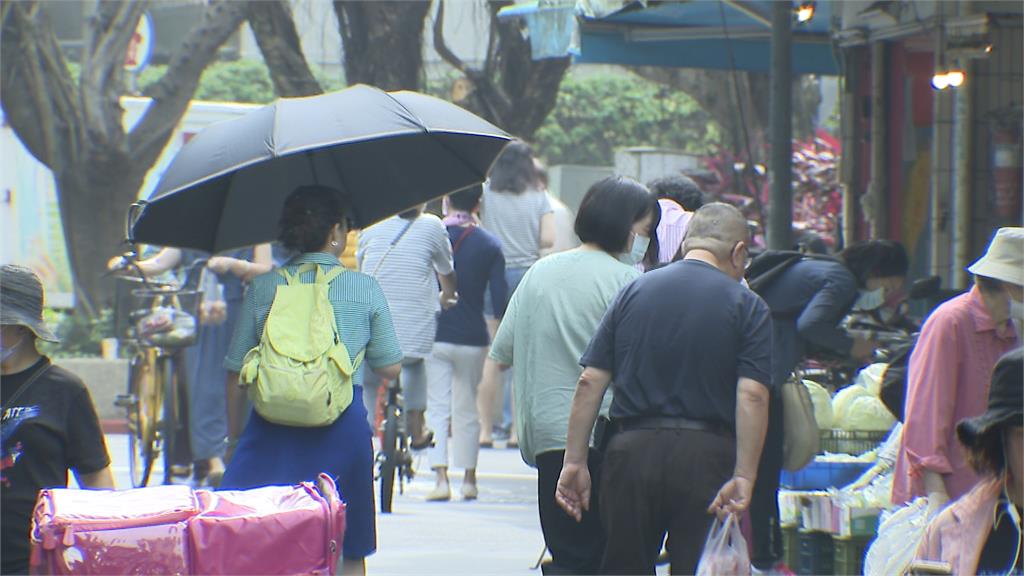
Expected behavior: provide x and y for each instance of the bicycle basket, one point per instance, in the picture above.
(165, 318)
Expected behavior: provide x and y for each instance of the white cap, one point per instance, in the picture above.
(1004, 259)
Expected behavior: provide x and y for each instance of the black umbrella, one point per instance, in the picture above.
(385, 151)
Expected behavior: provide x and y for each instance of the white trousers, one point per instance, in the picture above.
(453, 373)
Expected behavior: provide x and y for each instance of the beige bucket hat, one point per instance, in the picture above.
(1004, 259)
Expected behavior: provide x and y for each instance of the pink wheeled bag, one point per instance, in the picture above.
(175, 530)
(271, 530)
(141, 531)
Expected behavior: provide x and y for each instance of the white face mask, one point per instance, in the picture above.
(1016, 310)
(870, 299)
(7, 351)
(637, 250)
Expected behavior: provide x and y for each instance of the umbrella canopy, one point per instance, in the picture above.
(385, 151)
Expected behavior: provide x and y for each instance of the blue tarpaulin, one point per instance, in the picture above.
(675, 34)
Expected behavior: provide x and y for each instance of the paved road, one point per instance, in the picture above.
(497, 534)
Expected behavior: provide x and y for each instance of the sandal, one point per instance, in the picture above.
(440, 493)
(427, 442)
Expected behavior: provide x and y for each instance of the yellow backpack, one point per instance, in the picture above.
(300, 373)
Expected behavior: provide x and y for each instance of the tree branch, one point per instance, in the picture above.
(109, 32)
(272, 24)
(36, 90)
(172, 93)
(441, 47)
(494, 33)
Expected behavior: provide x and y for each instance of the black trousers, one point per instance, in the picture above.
(764, 504)
(576, 548)
(658, 481)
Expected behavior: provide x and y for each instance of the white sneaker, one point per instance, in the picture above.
(469, 491)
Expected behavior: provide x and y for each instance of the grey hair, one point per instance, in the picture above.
(716, 227)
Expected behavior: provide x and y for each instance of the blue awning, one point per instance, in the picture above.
(683, 34)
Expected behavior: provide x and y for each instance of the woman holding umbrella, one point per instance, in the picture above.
(314, 225)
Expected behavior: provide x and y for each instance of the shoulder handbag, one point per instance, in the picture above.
(463, 236)
(801, 438)
(392, 247)
(17, 393)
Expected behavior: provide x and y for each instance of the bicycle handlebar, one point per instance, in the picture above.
(131, 260)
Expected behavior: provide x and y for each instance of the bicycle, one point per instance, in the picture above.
(161, 321)
(394, 460)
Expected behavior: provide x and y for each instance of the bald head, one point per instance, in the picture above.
(717, 228)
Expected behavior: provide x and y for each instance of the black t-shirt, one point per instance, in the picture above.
(677, 339)
(1002, 553)
(48, 429)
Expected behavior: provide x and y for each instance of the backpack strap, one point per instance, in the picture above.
(295, 277)
(327, 277)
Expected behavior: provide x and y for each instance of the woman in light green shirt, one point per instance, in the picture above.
(549, 321)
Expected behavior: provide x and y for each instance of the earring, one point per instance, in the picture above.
(334, 243)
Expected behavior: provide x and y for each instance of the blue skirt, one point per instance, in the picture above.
(270, 454)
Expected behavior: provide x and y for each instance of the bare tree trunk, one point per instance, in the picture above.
(512, 90)
(274, 28)
(93, 204)
(383, 42)
(77, 131)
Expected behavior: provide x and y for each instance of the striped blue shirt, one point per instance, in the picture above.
(360, 309)
(407, 272)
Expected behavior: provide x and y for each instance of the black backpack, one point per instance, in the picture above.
(894, 381)
(770, 264)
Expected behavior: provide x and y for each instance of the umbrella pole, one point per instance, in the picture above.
(312, 167)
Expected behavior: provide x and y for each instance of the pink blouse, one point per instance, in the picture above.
(949, 374)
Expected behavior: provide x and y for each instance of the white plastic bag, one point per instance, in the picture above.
(899, 535)
(725, 551)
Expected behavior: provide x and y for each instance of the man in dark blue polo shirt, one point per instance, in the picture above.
(689, 351)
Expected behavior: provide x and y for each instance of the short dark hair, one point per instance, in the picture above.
(987, 454)
(610, 208)
(514, 170)
(680, 189)
(466, 199)
(875, 259)
(308, 215)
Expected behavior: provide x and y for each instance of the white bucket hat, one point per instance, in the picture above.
(1004, 259)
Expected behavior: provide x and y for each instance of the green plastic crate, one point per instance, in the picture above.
(791, 546)
(848, 555)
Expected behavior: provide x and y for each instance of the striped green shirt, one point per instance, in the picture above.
(360, 309)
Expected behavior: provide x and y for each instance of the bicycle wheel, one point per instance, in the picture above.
(169, 417)
(142, 405)
(389, 460)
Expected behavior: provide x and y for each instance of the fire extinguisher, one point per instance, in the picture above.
(1006, 172)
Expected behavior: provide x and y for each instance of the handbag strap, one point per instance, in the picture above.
(469, 229)
(392, 246)
(17, 394)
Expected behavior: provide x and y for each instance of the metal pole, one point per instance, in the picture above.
(780, 204)
(850, 159)
(963, 143)
(879, 193)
